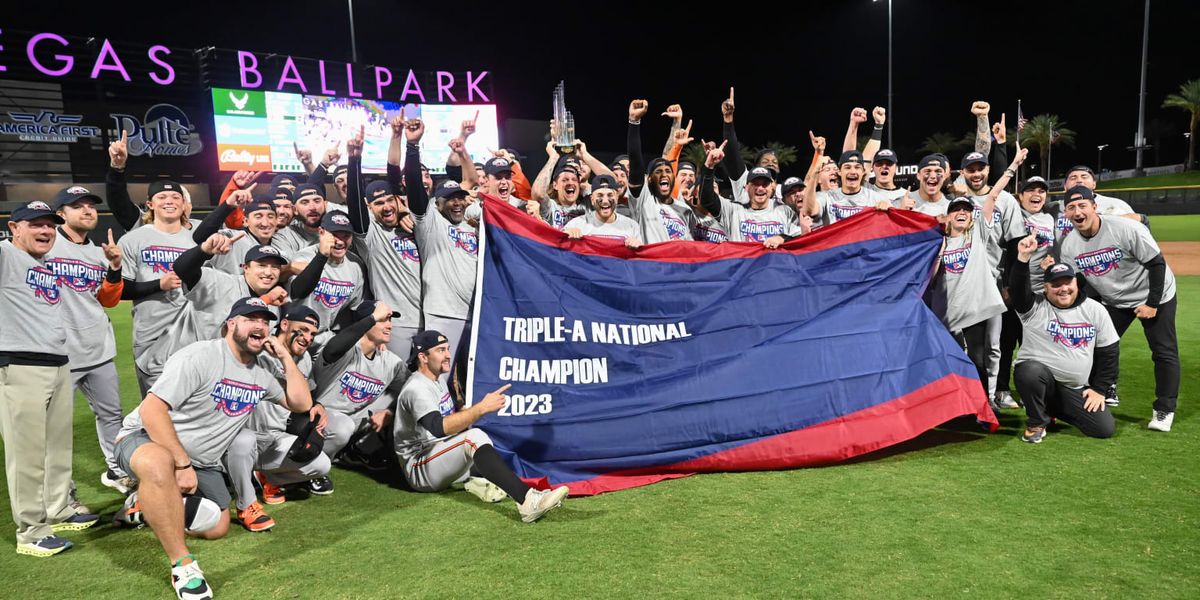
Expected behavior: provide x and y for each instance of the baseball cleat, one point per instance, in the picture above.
(254, 519)
(538, 503)
(76, 522)
(484, 490)
(1161, 420)
(188, 580)
(130, 515)
(124, 484)
(321, 486)
(272, 494)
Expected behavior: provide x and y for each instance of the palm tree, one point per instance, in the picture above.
(1188, 99)
(786, 154)
(694, 153)
(942, 143)
(1045, 131)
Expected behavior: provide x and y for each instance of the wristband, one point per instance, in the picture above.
(1010, 173)
(184, 467)
(877, 133)
(878, 127)
(633, 122)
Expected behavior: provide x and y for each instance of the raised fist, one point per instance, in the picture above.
(980, 108)
(637, 110)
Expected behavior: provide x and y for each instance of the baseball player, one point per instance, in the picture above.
(603, 220)
(662, 217)
(357, 379)
(1124, 265)
(260, 223)
(761, 220)
(437, 445)
(327, 281)
(932, 172)
(309, 207)
(90, 281)
(174, 440)
(883, 166)
(1069, 356)
(35, 386)
(849, 199)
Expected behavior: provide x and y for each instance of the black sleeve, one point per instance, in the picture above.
(455, 173)
(735, 165)
(212, 223)
(395, 179)
(306, 281)
(637, 165)
(1104, 367)
(188, 265)
(708, 196)
(356, 205)
(1157, 268)
(123, 209)
(1007, 258)
(112, 275)
(1019, 290)
(432, 423)
(340, 344)
(998, 158)
(317, 177)
(418, 198)
(136, 290)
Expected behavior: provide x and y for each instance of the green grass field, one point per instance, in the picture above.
(952, 513)
(1176, 228)
(1185, 178)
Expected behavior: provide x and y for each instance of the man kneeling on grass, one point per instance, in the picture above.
(1069, 354)
(173, 442)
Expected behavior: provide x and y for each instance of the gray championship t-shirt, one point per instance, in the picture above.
(557, 215)
(1065, 339)
(1111, 261)
(662, 222)
(892, 196)
(395, 264)
(340, 286)
(351, 383)
(211, 396)
(232, 261)
(836, 205)
(449, 257)
(31, 304)
(933, 208)
(292, 239)
(420, 396)
(1006, 225)
(148, 255)
(747, 225)
(622, 228)
(80, 269)
(1041, 225)
(273, 417)
(971, 292)
(709, 229)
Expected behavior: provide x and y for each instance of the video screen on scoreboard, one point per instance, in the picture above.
(261, 130)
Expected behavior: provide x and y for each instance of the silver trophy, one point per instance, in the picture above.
(564, 132)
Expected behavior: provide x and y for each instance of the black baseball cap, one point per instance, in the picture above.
(654, 164)
(686, 165)
(886, 155)
(262, 253)
(955, 203)
(792, 183)
(760, 173)
(601, 182)
(850, 156)
(306, 190)
(929, 160)
(300, 312)
(449, 188)
(616, 165)
(1078, 192)
(34, 210)
(365, 308)
(973, 158)
(1033, 182)
(423, 342)
(497, 165)
(251, 306)
(261, 202)
(282, 193)
(378, 189)
(1083, 168)
(72, 194)
(335, 221)
(163, 185)
(283, 179)
(1057, 271)
(338, 170)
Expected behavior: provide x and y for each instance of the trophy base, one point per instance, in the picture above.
(565, 149)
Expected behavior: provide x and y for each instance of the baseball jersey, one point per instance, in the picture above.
(340, 286)
(971, 292)
(709, 229)
(81, 269)
(31, 302)
(148, 254)
(273, 417)
(449, 257)
(836, 205)
(662, 222)
(394, 261)
(1065, 339)
(351, 383)
(419, 397)
(292, 239)
(557, 215)
(748, 225)
(1006, 224)
(1112, 261)
(232, 261)
(211, 395)
(934, 208)
(622, 228)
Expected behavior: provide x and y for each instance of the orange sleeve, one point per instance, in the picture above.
(110, 293)
(672, 157)
(236, 219)
(521, 187)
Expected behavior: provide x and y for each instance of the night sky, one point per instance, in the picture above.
(1080, 60)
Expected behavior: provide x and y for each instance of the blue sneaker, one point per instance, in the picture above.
(76, 522)
(47, 546)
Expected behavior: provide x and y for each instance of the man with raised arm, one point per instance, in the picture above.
(662, 217)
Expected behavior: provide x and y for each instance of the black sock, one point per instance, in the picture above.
(492, 467)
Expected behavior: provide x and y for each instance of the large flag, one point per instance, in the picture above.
(632, 366)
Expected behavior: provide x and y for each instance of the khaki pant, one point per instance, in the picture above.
(35, 421)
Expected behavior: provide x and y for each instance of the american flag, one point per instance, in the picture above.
(1021, 120)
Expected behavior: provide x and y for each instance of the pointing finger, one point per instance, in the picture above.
(240, 235)
(687, 130)
(722, 146)
(110, 237)
(731, 94)
(124, 136)
(503, 388)
(476, 117)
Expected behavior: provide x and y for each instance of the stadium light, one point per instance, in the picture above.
(891, 116)
(1099, 159)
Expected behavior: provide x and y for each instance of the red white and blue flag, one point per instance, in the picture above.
(633, 366)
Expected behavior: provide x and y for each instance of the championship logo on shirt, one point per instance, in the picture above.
(844, 211)
(1063, 224)
(1100, 262)
(406, 248)
(558, 219)
(80, 276)
(1044, 235)
(996, 215)
(955, 260)
(161, 258)
(757, 231)
(332, 293)
(710, 233)
(446, 405)
(463, 239)
(359, 388)
(235, 398)
(1071, 335)
(44, 284)
(676, 228)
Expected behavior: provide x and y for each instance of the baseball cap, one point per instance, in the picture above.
(1078, 192)
(973, 158)
(283, 179)
(378, 189)
(1057, 271)
(616, 165)
(792, 183)
(306, 190)
(930, 160)
(365, 308)
(300, 312)
(34, 210)
(959, 201)
(1034, 181)
(250, 306)
(449, 188)
(282, 193)
(423, 342)
(760, 173)
(886, 155)
(261, 253)
(72, 194)
(338, 170)
(261, 202)
(497, 165)
(163, 185)
(601, 182)
(1083, 168)
(685, 165)
(850, 156)
(654, 164)
(335, 221)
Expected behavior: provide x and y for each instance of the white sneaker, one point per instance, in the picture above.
(1161, 420)
(188, 581)
(123, 484)
(1005, 400)
(538, 503)
(484, 490)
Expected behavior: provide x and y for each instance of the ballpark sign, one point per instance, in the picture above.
(47, 126)
(165, 130)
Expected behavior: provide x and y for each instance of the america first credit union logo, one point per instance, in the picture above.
(44, 284)
(1100, 262)
(47, 126)
(955, 260)
(165, 130)
(1071, 335)
(235, 398)
(359, 388)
